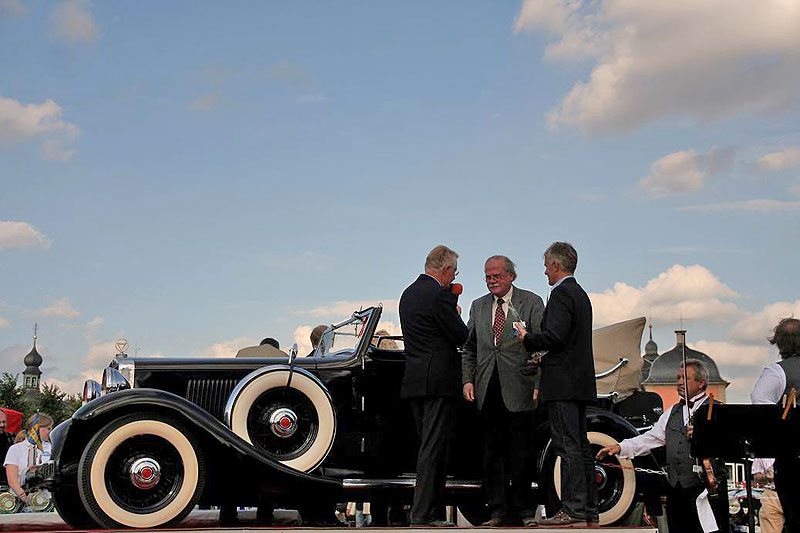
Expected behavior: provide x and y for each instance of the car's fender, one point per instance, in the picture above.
(71, 439)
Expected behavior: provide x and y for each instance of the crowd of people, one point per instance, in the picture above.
(510, 335)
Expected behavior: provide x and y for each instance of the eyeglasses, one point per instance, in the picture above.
(495, 277)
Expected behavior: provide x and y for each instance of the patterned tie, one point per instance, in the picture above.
(499, 321)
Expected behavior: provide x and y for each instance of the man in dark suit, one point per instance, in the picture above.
(568, 382)
(496, 374)
(432, 332)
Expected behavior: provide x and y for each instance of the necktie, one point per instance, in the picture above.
(499, 321)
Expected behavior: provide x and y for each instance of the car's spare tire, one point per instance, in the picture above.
(293, 424)
(141, 470)
(614, 477)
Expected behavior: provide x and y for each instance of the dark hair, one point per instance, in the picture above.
(271, 342)
(316, 334)
(564, 254)
(786, 336)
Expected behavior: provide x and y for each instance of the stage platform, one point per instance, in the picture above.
(209, 521)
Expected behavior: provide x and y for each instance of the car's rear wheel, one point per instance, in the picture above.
(295, 425)
(614, 477)
(141, 470)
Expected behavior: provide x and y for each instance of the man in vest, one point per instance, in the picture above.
(776, 380)
(689, 506)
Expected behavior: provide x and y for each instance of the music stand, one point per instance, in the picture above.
(744, 432)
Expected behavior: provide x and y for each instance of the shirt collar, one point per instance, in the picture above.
(506, 297)
(559, 282)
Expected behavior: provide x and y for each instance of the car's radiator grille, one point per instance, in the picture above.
(210, 394)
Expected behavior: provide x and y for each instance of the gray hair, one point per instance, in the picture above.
(440, 257)
(700, 370)
(786, 336)
(564, 254)
(508, 264)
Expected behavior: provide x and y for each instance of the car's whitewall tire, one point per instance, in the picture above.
(319, 426)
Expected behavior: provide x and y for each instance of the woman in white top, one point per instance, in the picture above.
(26, 455)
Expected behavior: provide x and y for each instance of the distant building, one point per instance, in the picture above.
(31, 376)
(650, 354)
(663, 375)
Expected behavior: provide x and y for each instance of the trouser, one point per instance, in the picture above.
(682, 510)
(568, 431)
(435, 419)
(771, 514)
(787, 484)
(508, 462)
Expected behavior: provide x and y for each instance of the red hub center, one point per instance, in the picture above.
(286, 423)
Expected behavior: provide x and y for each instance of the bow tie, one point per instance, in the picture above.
(692, 403)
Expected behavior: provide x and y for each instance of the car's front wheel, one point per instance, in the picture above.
(614, 478)
(141, 470)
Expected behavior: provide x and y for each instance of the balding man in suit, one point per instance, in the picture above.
(496, 374)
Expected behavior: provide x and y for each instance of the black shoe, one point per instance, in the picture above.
(562, 518)
(495, 521)
(530, 521)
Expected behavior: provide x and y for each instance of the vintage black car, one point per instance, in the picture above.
(161, 435)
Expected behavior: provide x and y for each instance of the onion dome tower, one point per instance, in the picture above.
(31, 375)
(650, 353)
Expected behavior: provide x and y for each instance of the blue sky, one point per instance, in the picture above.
(197, 176)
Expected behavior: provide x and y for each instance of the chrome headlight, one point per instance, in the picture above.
(113, 381)
(91, 391)
(734, 506)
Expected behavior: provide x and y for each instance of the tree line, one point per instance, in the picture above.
(51, 399)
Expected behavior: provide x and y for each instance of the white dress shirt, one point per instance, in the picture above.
(559, 282)
(506, 299)
(657, 436)
(760, 466)
(770, 385)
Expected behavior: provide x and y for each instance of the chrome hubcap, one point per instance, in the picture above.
(600, 476)
(283, 422)
(145, 473)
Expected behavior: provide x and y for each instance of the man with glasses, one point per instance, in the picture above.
(432, 332)
(496, 374)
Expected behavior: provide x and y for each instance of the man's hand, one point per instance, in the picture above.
(469, 392)
(689, 431)
(458, 308)
(613, 449)
(521, 332)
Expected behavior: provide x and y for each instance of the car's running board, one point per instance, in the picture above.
(466, 485)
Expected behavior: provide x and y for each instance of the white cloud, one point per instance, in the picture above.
(342, 309)
(685, 171)
(73, 22)
(21, 122)
(206, 102)
(12, 7)
(61, 308)
(755, 328)
(3, 322)
(302, 337)
(229, 348)
(21, 235)
(726, 353)
(782, 160)
(705, 59)
(674, 173)
(689, 292)
(757, 205)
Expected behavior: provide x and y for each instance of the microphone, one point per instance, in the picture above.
(456, 288)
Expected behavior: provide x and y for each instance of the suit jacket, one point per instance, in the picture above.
(566, 334)
(432, 333)
(481, 356)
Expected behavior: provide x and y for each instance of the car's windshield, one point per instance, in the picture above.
(345, 337)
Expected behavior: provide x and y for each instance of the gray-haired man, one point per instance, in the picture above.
(496, 374)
